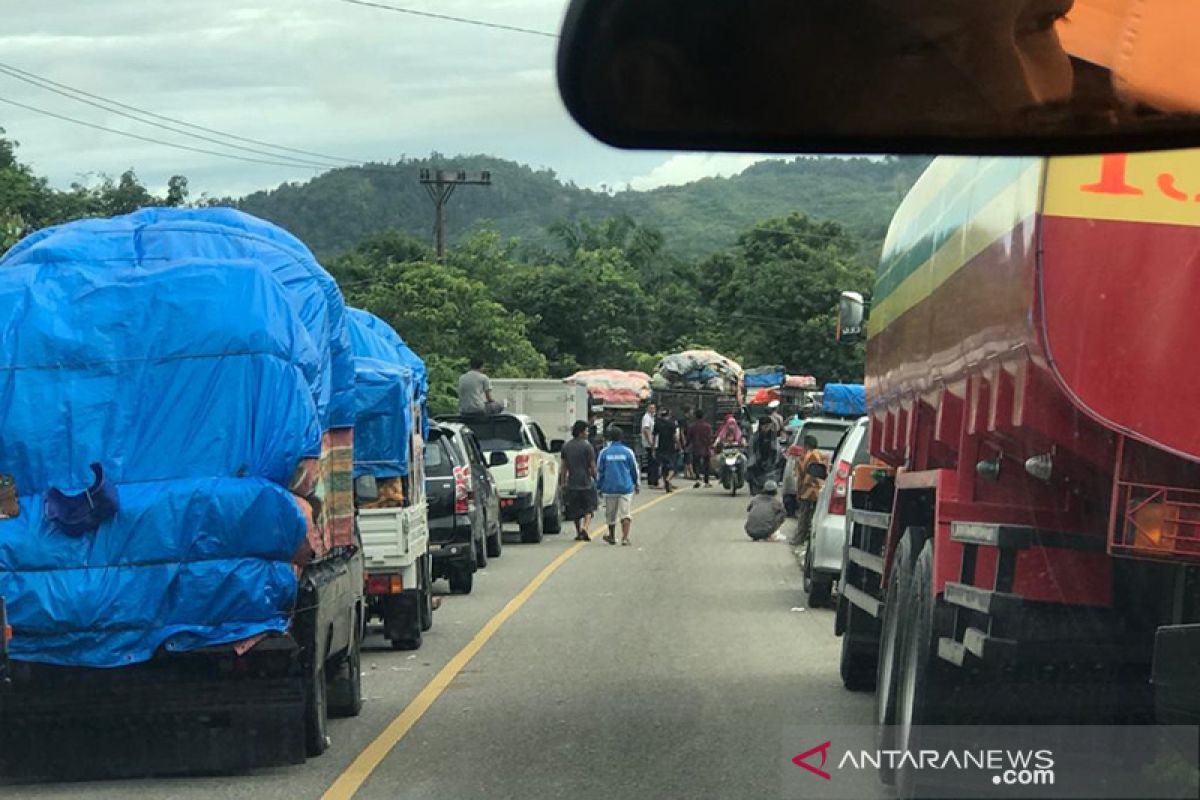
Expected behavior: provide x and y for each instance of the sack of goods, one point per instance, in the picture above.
(765, 377)
(613, 387)
(703, 370)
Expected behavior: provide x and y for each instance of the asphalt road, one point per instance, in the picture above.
(668, 669)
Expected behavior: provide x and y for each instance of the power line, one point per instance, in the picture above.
(151, 140)
(200, 136)
(30, 77)
(448, 18)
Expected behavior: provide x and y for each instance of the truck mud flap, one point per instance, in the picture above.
(205, 712)
(1176, 674)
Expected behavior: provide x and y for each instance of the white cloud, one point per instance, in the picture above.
(688, 167)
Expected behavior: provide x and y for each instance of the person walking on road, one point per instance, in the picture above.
(666, 445)
(618, 480)
(808, 488)
(765, 513)
(475, 392)
(578, 480)
(700, 443)
(647, 431)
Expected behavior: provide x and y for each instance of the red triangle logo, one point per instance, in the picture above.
(802, 760)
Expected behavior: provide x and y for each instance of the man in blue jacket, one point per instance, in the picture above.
(617, 479)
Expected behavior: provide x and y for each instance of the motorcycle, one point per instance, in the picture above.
(733, 469)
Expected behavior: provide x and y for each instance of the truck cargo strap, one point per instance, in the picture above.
(863, 600)
(868, 561)
(1019, 537)
(871, 519)
(985, 601)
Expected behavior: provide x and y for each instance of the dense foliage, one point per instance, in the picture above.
(580, 286)
(339, 208)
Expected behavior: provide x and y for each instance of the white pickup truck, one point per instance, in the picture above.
(528, 483)
(395, 545)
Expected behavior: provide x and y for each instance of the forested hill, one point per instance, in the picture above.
(335, 210)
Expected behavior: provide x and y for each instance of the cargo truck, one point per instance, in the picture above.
(1026, 544)
(181, 570)
(554, 405)
(391, 390)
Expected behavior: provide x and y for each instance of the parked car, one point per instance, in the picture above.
(829, 432)
(458, 520)
(826, 546)
(482, 488)
(527, 480)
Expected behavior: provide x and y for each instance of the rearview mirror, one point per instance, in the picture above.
(498, 458)
(851, 311)
(817, 470)
(366, 489)
(908, 76)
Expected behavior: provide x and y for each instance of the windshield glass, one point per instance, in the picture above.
(368, 429)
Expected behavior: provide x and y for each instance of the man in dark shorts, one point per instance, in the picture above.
(666, 446)
(577, 478)
(699, 442)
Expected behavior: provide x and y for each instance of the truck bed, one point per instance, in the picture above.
(393, 538)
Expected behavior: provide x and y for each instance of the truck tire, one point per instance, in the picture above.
(885, 671)
(820, 591)
(531, 532)
(552, 522)
(316, 711)
(426, 573)
(495, 542)
(461, 581)
(857, 669)
(345, 687)
(481, 555)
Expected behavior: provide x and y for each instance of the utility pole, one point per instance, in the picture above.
(440, 184)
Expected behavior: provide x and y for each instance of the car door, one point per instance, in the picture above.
(486, 495)
(439, 486)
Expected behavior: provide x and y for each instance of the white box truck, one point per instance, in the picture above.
(555, 406)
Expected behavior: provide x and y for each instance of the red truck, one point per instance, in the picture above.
(1025, 545)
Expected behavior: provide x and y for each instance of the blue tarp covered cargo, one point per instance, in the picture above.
(363, 323)
(178, 351)
(765, 377)
(844, 399)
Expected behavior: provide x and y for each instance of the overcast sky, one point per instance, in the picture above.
(319, 75)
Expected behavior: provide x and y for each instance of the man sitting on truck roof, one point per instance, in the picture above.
(475, 392)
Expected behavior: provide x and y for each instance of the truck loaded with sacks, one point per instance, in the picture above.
(1025, 545)
(178, 556)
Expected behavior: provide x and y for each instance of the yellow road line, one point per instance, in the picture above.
(350, 781)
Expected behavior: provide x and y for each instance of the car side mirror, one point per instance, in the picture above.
(556, 445)
(851, 313)
(498, 458)
(366, 489)
(817, 470)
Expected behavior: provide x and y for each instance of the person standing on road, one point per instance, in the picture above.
(578, 480)
(475, 392)
(647, 430)
(617, 479)
(666, 445)
(700, 441)
(808, 488)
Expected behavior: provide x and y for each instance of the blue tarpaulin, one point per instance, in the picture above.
(844, 399)
(364, 322)
(765, 377)
(173, 350)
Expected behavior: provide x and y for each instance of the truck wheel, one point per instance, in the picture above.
(461, 581)
(924, 683)
(495, 543)
(885, 671)
(345, 689)
(426, 572)
(316, 712)
(806, 570)
(553, 518)
(819, 591)
(857, 668)
(531, 532)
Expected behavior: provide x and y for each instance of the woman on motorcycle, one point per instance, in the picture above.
(730, 434)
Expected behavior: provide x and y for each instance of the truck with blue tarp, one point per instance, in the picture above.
(179, 560)
(391, 389)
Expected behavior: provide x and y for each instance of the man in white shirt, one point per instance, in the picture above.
(647, 430)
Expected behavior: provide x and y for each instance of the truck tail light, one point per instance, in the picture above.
(841, 488)
(462, 493)
(522, 466)
(385, 584)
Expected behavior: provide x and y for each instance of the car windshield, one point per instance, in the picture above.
(369, 429)
(500, 433)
